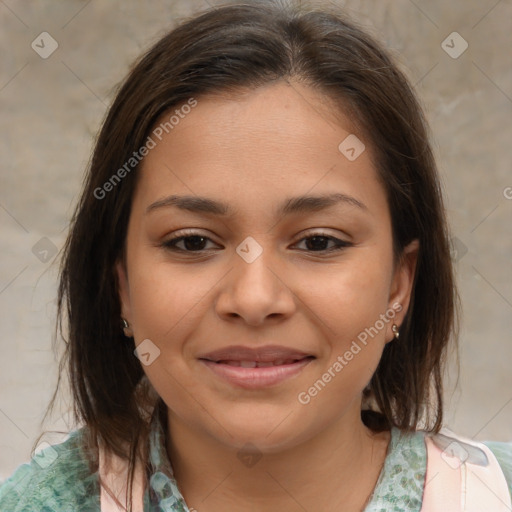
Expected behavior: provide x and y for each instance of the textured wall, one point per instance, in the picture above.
(52, 107)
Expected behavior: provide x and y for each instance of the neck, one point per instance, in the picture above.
(335, 470)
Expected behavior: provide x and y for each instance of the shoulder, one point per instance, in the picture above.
(57, 478)
(463, 448)
(503, 453)
(402, 481)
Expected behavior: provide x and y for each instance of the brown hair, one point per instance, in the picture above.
(229, 48)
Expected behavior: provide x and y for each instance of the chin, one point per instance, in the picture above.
(269, 433)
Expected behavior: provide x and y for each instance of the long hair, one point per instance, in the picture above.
(241, 47)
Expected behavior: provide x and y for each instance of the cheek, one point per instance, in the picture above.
(350, 302)
(351, 307)
(350, 296)
(167, 305)
(163, 294)
(170, 303)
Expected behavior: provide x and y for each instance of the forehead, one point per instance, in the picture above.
(275, 141)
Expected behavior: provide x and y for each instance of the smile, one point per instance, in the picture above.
(257, 374)
(258, 364)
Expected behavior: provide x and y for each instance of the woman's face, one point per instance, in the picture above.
(261, 268)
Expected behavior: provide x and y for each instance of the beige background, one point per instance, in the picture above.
(51, 109)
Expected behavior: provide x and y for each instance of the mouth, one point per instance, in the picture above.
(256, 373)
(259, 364)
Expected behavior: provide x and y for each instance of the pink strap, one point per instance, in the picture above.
(440, 483)
(114, 472)
(463, 476)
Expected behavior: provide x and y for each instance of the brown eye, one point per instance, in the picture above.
(191, 243)
(318, 242)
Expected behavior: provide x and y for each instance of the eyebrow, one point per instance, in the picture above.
(292, 205)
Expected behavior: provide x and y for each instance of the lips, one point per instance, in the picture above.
(258, 364)
(256, 368)
(271, 355)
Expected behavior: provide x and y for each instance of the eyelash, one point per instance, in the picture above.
(339, 244)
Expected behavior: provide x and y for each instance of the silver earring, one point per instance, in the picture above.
(126, 325)
(394, 328)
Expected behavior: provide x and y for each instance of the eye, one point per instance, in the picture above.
(194, 242)
(315, 242)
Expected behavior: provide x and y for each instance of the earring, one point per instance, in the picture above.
(126, 328)
(394, 328)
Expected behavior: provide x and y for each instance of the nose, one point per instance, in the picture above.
(256, 289)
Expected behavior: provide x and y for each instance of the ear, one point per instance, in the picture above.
(123, 290)
(401, 285)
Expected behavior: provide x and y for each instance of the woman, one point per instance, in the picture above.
(259, 288)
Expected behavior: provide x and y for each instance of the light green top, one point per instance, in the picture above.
(58, 478)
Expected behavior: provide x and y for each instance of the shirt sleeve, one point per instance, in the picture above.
(57, 479)
(503, 452)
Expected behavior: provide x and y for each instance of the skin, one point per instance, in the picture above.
(252, 151)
